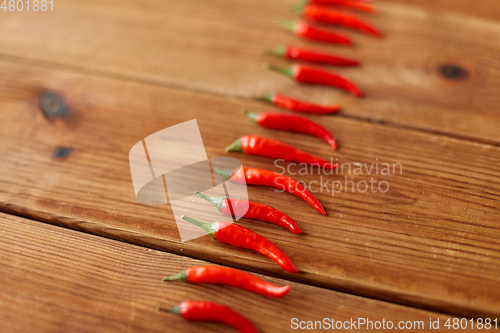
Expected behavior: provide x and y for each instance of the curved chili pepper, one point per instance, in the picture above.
(252, 210)
(297, 53)
(292, 123)
(253, 176)
(256, 145)
(305, 30)
(331, 16)
(236, 235)
(312, 75)
(213, 312)
(231, 277)
(299, 106)
(351, 4)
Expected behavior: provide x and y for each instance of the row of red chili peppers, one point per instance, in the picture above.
(309, 75)
(209, 311)
(304, 74)
(239, 236)
(315, 10)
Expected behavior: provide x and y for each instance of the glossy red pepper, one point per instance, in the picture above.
(288, 103)
(213, 312)
(292, 123)
(307, 31)
(230, 277)
(313, 75)
(253, 176)
(330, 16)
(236, 235)
(256, 145)
(298, 53)
(252, 210)
(351, 4)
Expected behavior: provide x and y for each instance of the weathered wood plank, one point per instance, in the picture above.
(432, 240)
(60, 280)
(486, 10)
(214, 46)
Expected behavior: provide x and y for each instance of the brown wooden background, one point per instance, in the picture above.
(429, 247)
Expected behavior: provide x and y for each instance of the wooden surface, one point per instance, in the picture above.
(214, 46)
(434, 232)
(127, 70)
(90, 284)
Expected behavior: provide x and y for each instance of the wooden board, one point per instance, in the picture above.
(485, 10)
(431, 241)
(60, 280)
(214, 46)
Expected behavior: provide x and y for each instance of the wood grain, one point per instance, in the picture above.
(431, 241)
(214, 46)
(60, 280)
(482, 10)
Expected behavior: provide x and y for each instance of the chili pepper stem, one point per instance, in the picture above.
(226, 173)
(279, 51)
(235, 146)
(182, 276)
(299, 8)
(287, 71)
(208, 227)
(251, 115)
(267, 98)
(176, 309)
(217, 202)
(287, 24)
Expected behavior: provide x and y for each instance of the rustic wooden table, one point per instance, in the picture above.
(79, 252)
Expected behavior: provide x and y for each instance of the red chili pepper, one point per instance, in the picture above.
(297, 53)
(313, 75)
(253, 176)
(292, 123)
(351, 4)
(299, 106)
(231, 277)
(213, 312)
(331, 16)
(305, 30)
(236, 235)
(252, 210)
(256, 145)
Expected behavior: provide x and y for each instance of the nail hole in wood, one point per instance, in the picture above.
(62, 152)
(52, 105)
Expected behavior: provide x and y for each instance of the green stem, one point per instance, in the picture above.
(226, 173)
(208, 227)
(217, 202)
(267, 98)
(182, 276)
(279, 51)
(235, 146)
(176, 309)
(299, 8)
(287, 71)
(251, 115)
(287, 24)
